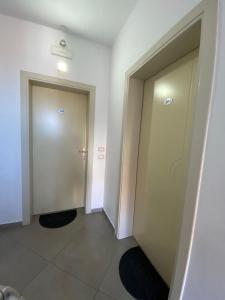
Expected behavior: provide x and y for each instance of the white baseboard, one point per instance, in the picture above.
(96, 210)
(8, 225)
(108, 218)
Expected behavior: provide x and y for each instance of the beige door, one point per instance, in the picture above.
(59, 126)
(168, 105)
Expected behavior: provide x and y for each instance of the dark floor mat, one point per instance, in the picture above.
(140, 278)
(59, 219)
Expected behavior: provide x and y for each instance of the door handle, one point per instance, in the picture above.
(83, 151)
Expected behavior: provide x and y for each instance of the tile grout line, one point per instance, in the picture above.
(81, 280)
(72, 275)
(95, 295)
(18, 243)
(108, 268)
(33, 251)
(26, 286)
(61, 250)
(29, 249)
(63, 271)
(50, 262)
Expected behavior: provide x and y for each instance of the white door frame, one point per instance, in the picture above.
(166, 51)
(27, 80)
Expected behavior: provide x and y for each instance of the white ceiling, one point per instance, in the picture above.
(99, 20)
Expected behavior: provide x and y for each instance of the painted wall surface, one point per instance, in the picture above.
(26, 46)
(148, 22)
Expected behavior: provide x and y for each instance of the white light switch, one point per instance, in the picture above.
(61, 110)
(101, 156)
(101, 149)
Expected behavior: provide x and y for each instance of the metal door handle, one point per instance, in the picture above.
(83, 151)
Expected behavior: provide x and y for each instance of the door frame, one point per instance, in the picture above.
(27, 79)
(167, 50)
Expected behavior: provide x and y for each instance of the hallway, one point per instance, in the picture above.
(77, 261)
(112, 114)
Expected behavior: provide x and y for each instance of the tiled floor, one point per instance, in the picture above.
(78, 261)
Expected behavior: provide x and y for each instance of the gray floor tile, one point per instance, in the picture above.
(96, 223)
(46, 242)
(87, 249)
(18, 266)
(53, 284)
(101, 296)
(88, 256)
(112, 284)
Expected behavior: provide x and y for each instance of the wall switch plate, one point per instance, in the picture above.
(101, 149)
(61, 110)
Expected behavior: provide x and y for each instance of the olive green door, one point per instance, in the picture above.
(165, 137)
(59, 135)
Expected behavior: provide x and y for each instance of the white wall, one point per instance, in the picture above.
(147, 23)
(26, 46)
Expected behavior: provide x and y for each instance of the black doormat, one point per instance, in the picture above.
(140, 278)
(59, 219)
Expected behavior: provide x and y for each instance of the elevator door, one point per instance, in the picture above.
(165, 137)
(59, 125)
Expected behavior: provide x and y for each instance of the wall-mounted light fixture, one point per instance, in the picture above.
(61, 49)
(163, 90)
(62, 66)
(63, 43)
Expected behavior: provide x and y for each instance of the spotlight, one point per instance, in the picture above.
(62, 66)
